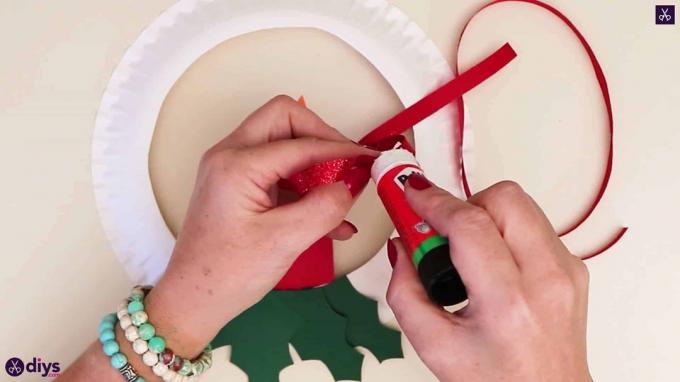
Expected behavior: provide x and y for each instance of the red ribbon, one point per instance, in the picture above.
(315, 266)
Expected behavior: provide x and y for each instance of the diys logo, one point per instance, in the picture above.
(16, 367)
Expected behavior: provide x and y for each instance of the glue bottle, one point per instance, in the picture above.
(428, 250)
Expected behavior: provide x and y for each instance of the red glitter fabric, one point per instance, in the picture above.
(314, 267)
(322, 173)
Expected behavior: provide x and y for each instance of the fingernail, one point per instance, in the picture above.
(365, 161)
(418, 182)
(352, 226)
(391, 252)
(356, 179)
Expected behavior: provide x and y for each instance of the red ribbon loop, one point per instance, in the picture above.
(604, 89)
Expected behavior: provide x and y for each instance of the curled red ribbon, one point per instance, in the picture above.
(315, 266)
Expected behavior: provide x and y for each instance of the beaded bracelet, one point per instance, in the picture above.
(142, 335)
(107, 337)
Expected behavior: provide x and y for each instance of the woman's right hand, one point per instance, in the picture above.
(528, 296)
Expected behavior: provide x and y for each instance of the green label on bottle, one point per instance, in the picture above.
(426, 246)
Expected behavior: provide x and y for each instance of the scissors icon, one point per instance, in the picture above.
(15, 368)
(665, 17)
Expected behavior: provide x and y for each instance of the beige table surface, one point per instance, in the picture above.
(59, 274)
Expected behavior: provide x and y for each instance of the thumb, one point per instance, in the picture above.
(311, 217)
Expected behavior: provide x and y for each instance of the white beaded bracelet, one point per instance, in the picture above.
(141, 347)
(141, 334)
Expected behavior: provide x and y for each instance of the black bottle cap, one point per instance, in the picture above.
(440, 278)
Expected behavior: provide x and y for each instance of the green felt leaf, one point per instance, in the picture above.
(363, 327)
(322, 334)
(322, 323)
(259, 338)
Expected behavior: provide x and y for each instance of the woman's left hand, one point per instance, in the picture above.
(237, 242)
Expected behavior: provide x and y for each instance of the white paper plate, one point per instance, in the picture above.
(126, 119)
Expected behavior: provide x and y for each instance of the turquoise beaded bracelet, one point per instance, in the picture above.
(152, 347)
(119, 361)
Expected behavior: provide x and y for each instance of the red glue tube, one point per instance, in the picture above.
(429, 251)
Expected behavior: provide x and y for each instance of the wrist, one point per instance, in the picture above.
(191, 304)
(186, 329)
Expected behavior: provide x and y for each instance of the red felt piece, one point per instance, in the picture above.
(314, 267)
